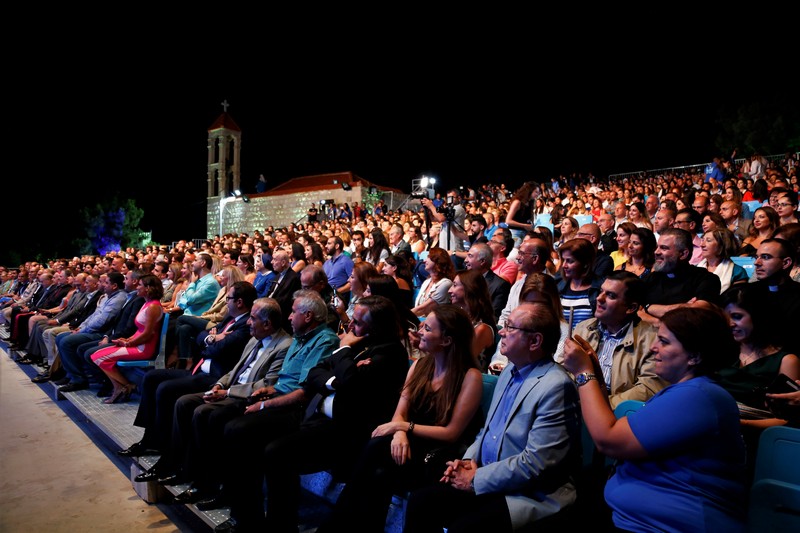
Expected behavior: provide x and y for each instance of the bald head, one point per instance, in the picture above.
(590, 232)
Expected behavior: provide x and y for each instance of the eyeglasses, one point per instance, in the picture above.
(231, 298)
(532, 254)
(784, 205)
(511, 328)
(682, 221)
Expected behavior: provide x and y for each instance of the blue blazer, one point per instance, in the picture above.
(540, 447)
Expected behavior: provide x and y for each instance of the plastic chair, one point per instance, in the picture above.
(489, 382)
(159, 361)
(583, 219)
(775, 492)
(749, 208)
(628, 406)
(748, 263)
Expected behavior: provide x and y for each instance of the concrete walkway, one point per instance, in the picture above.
(53, 477)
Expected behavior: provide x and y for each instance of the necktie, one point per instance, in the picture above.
(247, 362)
(276, 282)
(228, 326)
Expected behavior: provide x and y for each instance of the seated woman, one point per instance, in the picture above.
(765, 222)
(711, 221)
(718, 246)
(760, 361)
(358, 282)
(688, 431)
(246, 263)
(264, 273)
(397, 267)
(540, 289)
(439, 406)
(569, 229)
(577, 284)
(140, 345)
(433, 290)
(470, 292)
(298, 257)
(640, 251)
(624, 232)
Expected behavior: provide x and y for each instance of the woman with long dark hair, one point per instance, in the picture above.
(439, 405)
(470, 292)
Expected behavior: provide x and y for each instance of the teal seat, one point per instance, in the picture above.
(489, 382)
(749, 208)
(747, 263)
(583, 219)
(159, 360)
(628, 406)
(775, 493)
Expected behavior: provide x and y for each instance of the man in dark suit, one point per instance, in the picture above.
(396, 241)
(123, 327)
(198, 418)
(603, 264)
(284, 285)
(353, 391)
(43, 343)
(608, 235)
(479, 257)
(55, 287)
(221, 349)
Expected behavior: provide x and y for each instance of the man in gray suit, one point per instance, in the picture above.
(518, 469)
(198, 418)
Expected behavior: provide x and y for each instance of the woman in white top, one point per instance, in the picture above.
(434, 290)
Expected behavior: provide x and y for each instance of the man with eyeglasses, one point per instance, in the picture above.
(688, 219)
(603, 264)
(192, 445)
(533, 420)
(700, 204)
(352, 392)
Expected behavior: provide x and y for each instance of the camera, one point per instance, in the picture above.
(448, 211)
(419, 195)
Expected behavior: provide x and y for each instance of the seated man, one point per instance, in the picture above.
(277, 408)
(197, 415)
(622, 341)
(673, 281)
(353, 391)
(222, 348)
(518, 469)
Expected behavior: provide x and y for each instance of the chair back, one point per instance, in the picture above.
(775, 493)
(747, 263)
(489, 382)
(160, 356)
(627, 406)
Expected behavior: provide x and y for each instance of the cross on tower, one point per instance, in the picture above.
(225, 105)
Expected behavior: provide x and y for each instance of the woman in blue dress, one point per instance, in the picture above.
(681, 456)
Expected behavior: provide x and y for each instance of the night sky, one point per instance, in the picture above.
(145, 136)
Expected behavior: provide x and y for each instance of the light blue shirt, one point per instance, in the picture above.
(199, 295)
(105, 313)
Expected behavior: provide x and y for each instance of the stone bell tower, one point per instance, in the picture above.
(224, 155)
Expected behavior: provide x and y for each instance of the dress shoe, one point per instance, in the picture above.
(137, 449)
(150, 475)
(217, 502)
(28, 360)
(170, 478)
(228, 526)
(41, 378)
(62, 381)
(191, 495)
(72, 387)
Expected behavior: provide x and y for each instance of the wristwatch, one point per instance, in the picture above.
(583, 378)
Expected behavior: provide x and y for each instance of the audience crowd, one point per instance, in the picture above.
(356, 342)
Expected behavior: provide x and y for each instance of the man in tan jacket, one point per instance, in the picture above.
(622, 341)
